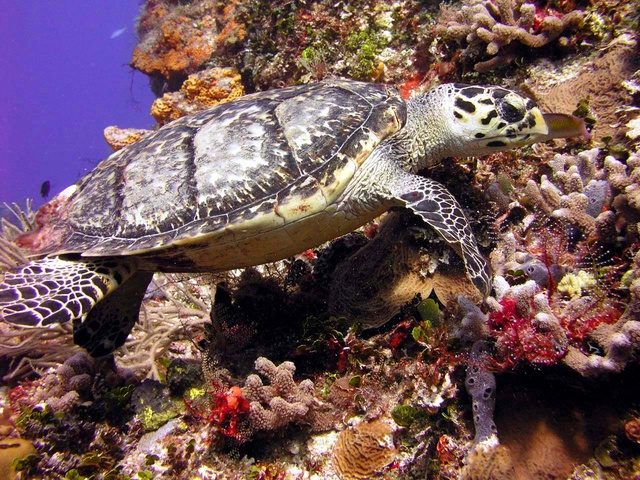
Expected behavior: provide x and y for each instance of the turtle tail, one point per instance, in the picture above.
(57, 290)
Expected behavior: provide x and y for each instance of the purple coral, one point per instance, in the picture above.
(481, 386)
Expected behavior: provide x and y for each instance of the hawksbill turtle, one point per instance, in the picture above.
(253, 181)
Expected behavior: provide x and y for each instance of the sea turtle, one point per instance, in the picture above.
(252, 181)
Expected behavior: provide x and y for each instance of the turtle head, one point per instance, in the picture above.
(491, 119)
(454, 120)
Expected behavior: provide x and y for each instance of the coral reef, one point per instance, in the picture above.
(601, 85)
(619, 342)
(363, 450)
(582, 214)
(199, 91)
(579, 195)
(78, 378)
(382, 324)
(174, 41)
(502, 26)
(295, 43)
(282, 401)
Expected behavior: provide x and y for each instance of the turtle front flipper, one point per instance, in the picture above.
(108, 324)
(439, 209)
(58, 289)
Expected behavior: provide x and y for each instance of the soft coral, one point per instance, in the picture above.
(518, 340)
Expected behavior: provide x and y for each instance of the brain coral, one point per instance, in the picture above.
(363, 450)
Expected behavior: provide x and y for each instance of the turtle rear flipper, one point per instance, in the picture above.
(108, 324)
(58, 289)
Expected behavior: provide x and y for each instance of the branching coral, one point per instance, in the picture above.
(579, 194)
(600, 202)
(498, 24)
(626, 182)
(176, 307)
(64, 387)
(618, 342)
(579, 316)
(24, 350)
(280, 402)
(524, 328)
(10, 253)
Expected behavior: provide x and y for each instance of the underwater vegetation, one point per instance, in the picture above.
(295, 43)
(373, 356)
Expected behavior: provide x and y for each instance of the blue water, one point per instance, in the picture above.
(65, 77)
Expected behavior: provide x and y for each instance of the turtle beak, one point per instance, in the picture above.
(547, 126)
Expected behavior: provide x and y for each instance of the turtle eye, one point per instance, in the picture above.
(510, 112)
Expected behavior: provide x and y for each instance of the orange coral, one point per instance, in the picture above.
(173, 45)
(200, 91)
(232, 32)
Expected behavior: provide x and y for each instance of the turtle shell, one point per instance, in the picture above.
(239, 169)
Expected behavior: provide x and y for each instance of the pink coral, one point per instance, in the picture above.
(518, 340)
(282, 401)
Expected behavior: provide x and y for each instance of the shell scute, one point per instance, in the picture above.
(238, 169)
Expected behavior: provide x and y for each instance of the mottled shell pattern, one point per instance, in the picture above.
(252, 165)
